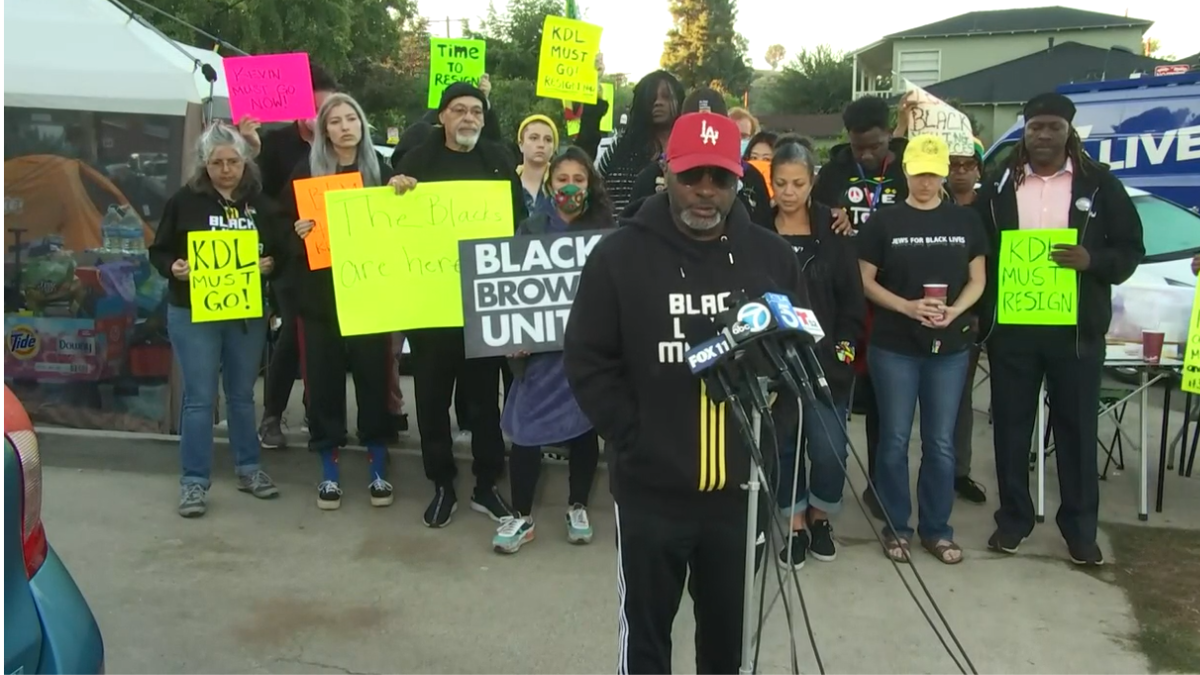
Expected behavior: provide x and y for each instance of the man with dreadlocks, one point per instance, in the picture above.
(1050, 183)
(657, 100)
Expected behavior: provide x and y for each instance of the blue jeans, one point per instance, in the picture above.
(825, 437)
(235, 349)
(936, 381)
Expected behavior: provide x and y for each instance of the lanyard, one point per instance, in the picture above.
(873, 200)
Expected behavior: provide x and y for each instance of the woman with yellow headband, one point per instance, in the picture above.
(537, 137)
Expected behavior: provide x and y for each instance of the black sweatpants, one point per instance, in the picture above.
(655, 553)
(525, 467)
(438, 361)
(1020, 358)
(284, 368)
(327, 355)
(964, 427)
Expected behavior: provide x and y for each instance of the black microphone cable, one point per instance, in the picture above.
(895, 565)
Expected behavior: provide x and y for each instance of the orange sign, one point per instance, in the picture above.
(310, 204)
(764, 167)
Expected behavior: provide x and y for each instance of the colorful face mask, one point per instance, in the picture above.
(570, 199)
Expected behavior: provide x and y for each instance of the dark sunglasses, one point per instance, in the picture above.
(721, 178)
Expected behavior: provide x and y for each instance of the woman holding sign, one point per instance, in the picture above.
(341, 145)
(922, 266)
(215, 315)
(540, 409)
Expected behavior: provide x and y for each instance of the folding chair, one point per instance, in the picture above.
(1110, 400)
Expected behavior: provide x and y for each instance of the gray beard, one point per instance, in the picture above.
(697, 224)
(467, 141)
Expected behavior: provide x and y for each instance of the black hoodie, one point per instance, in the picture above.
(192, 210)
(645, 290)
(841, 183)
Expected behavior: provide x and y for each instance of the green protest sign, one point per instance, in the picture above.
(454, 60)
(1033, 289)
(606, 122)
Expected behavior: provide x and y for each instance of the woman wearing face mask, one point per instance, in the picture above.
(341, 144)
(537, 137)
(540, 409)
(761, 147)
(224, 194)
(922, 266)
(830, 267)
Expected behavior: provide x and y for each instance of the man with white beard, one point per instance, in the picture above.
(454, 152)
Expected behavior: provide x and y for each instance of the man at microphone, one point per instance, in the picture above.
(676, 462)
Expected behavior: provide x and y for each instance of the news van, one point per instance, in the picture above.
(1148, 131)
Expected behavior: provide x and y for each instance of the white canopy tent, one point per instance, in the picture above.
(90, 55)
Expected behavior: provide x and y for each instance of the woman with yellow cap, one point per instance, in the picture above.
(922, 265)
(537, 138)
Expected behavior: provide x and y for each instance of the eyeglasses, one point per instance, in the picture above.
(463, 111)
(963, 167)
(721, 178)
(224, 163)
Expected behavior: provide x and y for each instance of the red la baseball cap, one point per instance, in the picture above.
(705, 140)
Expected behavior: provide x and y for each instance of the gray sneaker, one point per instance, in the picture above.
(193, 500)
(258, 484)
(270, 435)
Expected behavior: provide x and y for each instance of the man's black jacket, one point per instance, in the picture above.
(1109, 228)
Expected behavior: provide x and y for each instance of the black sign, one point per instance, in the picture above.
(517, 291)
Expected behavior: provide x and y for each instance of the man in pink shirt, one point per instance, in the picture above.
(1050, 183)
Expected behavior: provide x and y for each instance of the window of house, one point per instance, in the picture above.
(922, 68)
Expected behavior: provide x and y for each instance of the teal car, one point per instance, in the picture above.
(48, 626)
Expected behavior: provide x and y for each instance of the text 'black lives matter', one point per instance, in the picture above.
(517, 292)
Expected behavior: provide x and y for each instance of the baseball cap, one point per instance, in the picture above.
(705, 140)
(927, 153)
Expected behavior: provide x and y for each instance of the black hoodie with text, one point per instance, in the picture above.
(645, 291)
(193, 210)
(843, 182)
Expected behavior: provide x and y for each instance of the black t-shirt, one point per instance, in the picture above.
(450, 165)
(912, 248)
(805, 245)
(282, 150)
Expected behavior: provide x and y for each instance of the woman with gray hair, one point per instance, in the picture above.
(830, 268)
(341, 144)
(225, 193)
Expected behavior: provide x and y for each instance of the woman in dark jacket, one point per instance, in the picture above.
(340, 145)
(225, 194)
(540, 409)
(831, 272)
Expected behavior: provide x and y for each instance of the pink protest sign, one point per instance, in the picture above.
(270, 88)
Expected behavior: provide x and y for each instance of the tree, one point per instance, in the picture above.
(1152, 47)
(514, 38)
(703, 49)
(775, 56)
(815, 82)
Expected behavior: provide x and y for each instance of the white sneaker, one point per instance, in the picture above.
(513, 533)
(579, 527)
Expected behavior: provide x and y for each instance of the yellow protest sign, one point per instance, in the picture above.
(606, 122)
(1033, 289)
(1191, 349)
(224, 278)
(395, 258)
(453, 60)
(567, 62)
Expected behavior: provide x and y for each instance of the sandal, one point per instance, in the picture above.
(942, 550)
(896, 548)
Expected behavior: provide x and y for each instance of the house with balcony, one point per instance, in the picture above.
(957, 47)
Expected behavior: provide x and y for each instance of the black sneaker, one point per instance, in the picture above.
(1086, 554)
(1004, 543)
(872, 503)
(400, 422)
(821, 541)
(329, 496)
(381, 492)
(792, 557)
(270, 436)
(970, 490)
(489, 502)
(441, 510)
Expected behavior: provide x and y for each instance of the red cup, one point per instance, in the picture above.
(936, 292)
(1152, 345)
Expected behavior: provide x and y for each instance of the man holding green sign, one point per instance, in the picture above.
(1064, 232)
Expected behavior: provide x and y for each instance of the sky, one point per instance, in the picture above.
(634, 30)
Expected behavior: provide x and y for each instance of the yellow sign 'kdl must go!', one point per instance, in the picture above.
(567, 61)
(395, 257)
(224, 279)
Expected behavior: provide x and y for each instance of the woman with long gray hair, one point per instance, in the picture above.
(341, 144)
(224, 194)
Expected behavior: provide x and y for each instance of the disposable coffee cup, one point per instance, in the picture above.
(936, 292)
(1152, 345)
